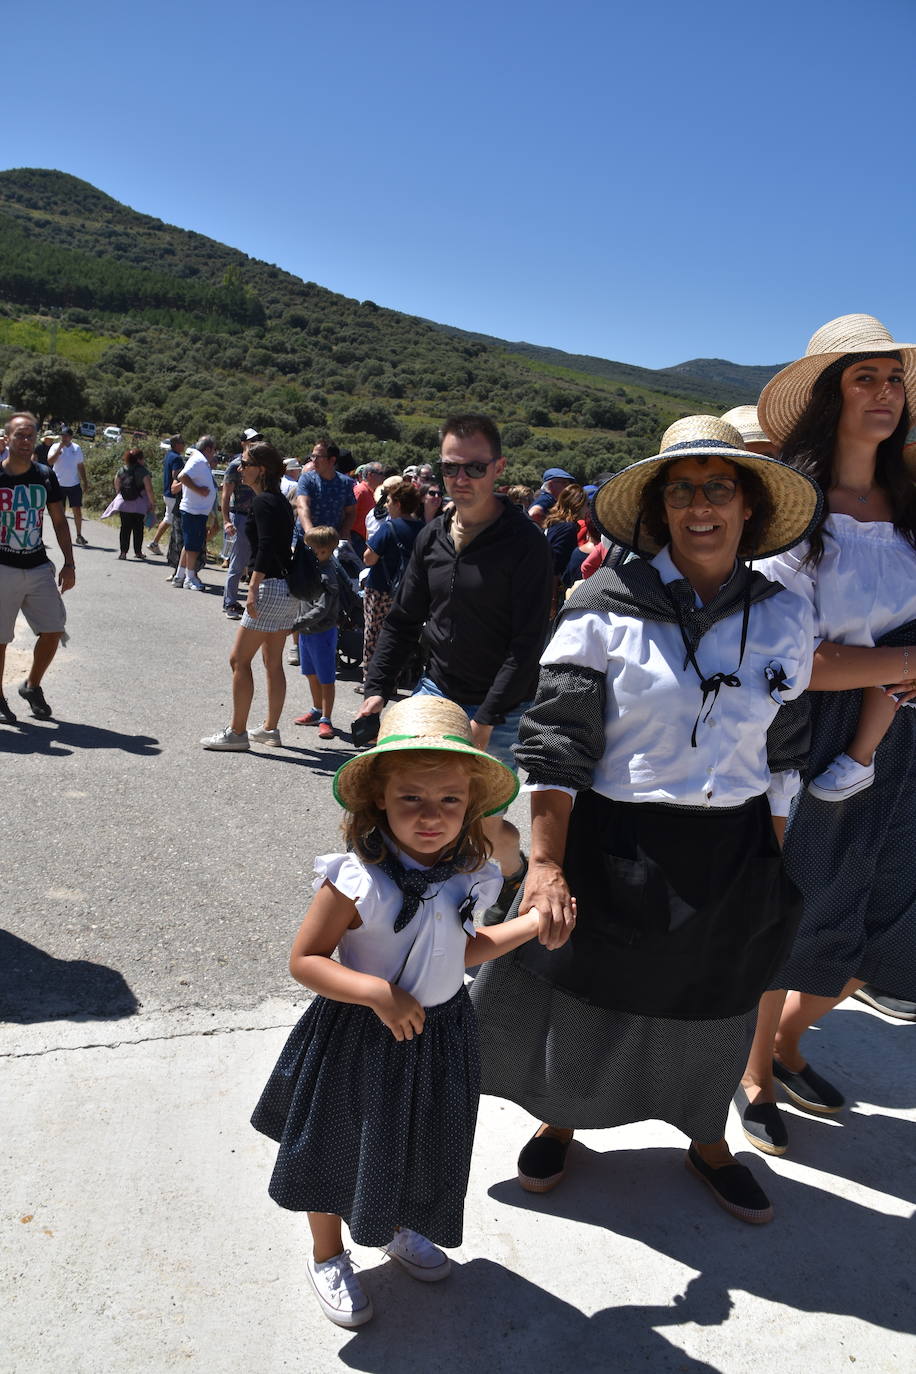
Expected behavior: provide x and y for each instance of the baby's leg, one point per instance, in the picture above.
(875, 720)
(327, 1237)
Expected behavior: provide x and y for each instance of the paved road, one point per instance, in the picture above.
(174, 875)
(149, 895)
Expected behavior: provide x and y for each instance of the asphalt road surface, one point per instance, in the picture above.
(150, 873)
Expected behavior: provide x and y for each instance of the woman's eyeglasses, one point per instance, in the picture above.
(247, 463)
(475, 468)
(717, 490)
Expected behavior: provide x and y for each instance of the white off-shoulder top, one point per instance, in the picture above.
(864, 586)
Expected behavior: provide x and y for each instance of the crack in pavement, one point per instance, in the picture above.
(142, 1040)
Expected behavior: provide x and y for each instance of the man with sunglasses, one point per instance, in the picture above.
(479, 580)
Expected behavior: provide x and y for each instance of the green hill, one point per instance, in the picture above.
(118, 317)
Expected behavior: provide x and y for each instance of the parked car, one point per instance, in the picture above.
(87, 429)
(112, 433)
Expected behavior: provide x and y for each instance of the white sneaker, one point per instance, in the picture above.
(225, 739)
(193, 584)
(841, 779)
(175, 580)
(153, 547)
(261, 735)
(419, 1256)
(339, 1292)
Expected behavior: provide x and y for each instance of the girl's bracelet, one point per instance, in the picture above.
(906, 663)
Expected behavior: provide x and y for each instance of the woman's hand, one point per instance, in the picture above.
(400, 1012)
(251, 605)
(899, 692)
(547, 889)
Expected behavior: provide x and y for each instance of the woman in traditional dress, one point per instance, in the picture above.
(646, 749)
(841, 415)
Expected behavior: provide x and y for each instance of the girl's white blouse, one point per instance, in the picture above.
(864, 586)
(434, 942)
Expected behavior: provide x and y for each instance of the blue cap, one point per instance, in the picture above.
(551, 473)
(590, 490)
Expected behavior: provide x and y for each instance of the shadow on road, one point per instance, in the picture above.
(63, 737)
(36, 987)
(822, 1253)
(497, 1321)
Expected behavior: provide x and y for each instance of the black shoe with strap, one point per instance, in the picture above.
(6, 715)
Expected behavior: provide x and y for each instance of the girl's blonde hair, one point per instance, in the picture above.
(366, 817)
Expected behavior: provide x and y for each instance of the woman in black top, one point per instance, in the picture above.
(270, 610)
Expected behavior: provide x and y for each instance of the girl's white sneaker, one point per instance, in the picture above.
(841, 779)
(419, 1256)
(339, 1292)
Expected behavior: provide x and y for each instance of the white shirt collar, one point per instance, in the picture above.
(668, 571)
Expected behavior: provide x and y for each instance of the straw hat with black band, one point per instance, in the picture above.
(785, 397)
(428, 723)
(796, 500)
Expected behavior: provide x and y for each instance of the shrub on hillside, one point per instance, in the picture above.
(369, 419)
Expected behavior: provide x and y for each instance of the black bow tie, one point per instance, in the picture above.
(413, 883)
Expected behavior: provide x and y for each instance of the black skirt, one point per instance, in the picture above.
(681, 913)
(648, 1012)
(372, 1129)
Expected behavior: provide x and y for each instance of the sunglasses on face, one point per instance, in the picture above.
(718, 491)
(474, 468)
(247, 463)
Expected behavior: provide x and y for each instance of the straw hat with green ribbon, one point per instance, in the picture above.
(428, 723)
(785, 398)
(796, 500)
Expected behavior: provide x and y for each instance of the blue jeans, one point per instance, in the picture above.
(239, 558)
(503, 736)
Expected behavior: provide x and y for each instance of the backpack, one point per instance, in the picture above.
(131, 483)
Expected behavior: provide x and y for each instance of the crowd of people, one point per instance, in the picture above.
(702, 664)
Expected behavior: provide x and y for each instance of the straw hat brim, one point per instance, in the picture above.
(785, 397)
(796, 500)
(501, 783)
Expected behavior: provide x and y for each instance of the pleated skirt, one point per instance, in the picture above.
(372, 1129)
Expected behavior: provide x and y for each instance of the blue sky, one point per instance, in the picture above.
(648, 182)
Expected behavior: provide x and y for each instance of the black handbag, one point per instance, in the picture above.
(303, 576)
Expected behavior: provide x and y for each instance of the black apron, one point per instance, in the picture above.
(681, 913)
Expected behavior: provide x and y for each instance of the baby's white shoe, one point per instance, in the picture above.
(841, 779)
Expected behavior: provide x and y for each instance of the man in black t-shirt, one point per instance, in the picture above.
(27, 490)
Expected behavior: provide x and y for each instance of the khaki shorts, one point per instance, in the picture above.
(33, 591)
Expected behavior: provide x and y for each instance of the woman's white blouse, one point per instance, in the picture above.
(864, 586)
(652, 700)
(434, 942)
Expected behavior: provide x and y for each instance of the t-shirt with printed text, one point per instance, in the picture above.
(24, 497)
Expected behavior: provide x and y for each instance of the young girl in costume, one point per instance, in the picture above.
(374, 1098)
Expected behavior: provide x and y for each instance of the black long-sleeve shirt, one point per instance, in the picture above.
(485, 611)
(270, 533)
